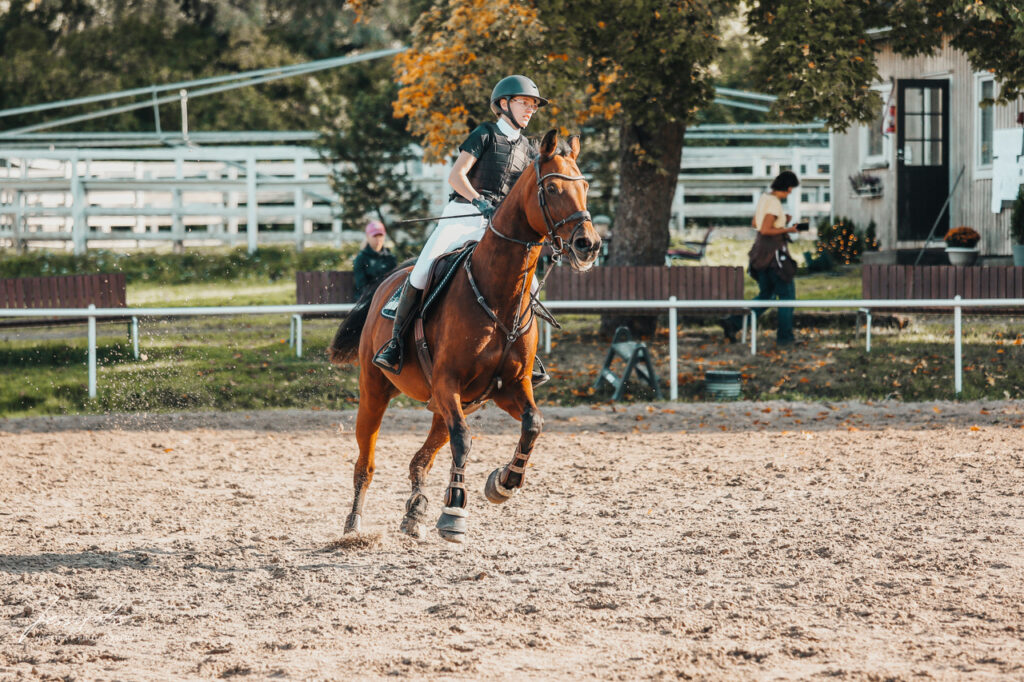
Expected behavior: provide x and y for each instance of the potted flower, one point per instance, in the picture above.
(962, 245)
(1017, 228)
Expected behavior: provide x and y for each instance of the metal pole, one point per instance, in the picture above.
(78, 226)
(183, 94)
(250, 202)
(92, 350)
(135, 336)
(547, 338)
(867, 331)
(958, 364)
(298, 336)
(673, 350)
(753, 331)
(299, 199)
(156, 113)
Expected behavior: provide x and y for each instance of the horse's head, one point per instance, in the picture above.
(560, 210)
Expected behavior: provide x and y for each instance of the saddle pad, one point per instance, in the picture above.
(441, 275)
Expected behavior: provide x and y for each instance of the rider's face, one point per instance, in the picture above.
(522, 109)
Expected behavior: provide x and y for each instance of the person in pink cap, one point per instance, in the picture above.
(374, 260)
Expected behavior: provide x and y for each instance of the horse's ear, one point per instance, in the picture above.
(550, 143)
(574, 146)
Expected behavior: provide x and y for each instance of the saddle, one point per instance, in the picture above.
(441, 274)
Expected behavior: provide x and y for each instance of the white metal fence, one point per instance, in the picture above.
(671, 305)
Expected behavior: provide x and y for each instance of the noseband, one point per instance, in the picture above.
(558, 245)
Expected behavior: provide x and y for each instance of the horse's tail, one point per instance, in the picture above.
(345, 346)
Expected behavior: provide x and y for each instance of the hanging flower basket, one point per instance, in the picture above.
(865, 185)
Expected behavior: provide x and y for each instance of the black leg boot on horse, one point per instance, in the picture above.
(389, 357)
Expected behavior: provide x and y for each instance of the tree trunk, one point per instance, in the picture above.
(649, 159)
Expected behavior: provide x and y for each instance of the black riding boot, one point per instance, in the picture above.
(389, 357)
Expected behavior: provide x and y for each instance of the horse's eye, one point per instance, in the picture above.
(551, 188)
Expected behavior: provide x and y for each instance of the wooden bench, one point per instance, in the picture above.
(909, 282)
(336, 286)
(65, 291)
(648, 282)
(902, 282)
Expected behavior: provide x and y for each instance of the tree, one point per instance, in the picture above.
(640, 66)
(370, 149)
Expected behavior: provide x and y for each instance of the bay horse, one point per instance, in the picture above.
(482, 336)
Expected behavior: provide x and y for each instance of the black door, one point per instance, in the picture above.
(922, 158)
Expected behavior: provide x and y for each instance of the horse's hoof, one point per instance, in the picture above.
(413, 528)
(354, 523)
(452, 524)
(494, 491)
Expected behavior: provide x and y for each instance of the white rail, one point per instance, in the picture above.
(671, 305)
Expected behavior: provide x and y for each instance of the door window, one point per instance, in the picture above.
(922, 120)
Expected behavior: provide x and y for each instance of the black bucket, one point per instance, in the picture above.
(722, 384)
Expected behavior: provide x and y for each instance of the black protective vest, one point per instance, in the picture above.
(500, 164)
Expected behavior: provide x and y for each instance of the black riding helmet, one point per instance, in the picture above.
(514, 86)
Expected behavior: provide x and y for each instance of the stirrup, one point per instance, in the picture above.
(383, 358)
(538, 375)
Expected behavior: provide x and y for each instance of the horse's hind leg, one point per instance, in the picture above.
(422, 461)
(505, 481)
(374, 394)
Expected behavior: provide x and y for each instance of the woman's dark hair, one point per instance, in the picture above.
(785, 180)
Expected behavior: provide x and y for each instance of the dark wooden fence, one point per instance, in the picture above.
(65, 291)
(648, 282)
(901, 282)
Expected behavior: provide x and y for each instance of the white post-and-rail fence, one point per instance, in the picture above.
(671, 305)
(216, 194)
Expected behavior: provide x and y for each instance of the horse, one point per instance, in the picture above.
(482, 335)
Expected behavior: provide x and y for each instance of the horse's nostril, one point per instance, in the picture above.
(583, 244)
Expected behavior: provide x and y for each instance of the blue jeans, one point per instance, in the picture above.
(773, 288)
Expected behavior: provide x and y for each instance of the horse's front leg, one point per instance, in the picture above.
(505, 481)
(422, 461)
(452, 523)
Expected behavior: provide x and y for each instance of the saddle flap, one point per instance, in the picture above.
(441, 275)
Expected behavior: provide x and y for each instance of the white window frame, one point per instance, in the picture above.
(883, 160)
(982, 171)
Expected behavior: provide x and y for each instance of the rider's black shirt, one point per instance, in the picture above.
(499, 161)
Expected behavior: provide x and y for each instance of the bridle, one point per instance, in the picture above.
(559, 247)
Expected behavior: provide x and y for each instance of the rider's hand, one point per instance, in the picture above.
(485, 207)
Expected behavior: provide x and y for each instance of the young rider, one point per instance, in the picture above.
(489, 163)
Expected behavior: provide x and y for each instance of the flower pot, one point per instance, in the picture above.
(1018, 254)
(961, 255)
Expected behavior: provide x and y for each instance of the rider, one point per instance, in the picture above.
(489, 163)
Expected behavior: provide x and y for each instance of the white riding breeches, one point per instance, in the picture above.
(447, 236)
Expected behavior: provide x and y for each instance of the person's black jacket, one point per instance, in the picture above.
(370, 267)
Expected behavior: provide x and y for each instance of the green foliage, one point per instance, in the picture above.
(1017, 218)
(271, 263)
(841, 241)
(371, 151)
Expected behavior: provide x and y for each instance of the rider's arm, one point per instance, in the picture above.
(458, 177)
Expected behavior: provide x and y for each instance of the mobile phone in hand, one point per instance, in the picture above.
(803, 227)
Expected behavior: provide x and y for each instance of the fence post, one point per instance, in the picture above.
(78, 225)
(299, 198)
(135, 336)
(177, 222)
(753, 331)
(298, 336)
(252, 225)
(958, 364)
(547, 338)
(673, 350)
(92, 350)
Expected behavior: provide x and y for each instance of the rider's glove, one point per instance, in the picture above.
(485, 207)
